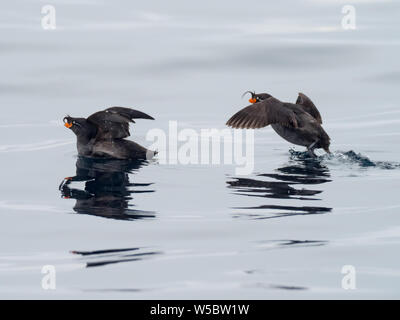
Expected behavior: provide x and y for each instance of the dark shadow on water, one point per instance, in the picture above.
(107, 190)
(283, 287)
(266, 286)
(98, 258)
(299, 180)
(291, 243)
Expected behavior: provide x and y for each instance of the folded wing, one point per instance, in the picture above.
(113, 123)
(263, 113)
(308, 106)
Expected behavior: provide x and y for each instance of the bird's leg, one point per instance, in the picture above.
(310, 149)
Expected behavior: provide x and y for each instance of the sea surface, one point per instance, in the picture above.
(291, 229)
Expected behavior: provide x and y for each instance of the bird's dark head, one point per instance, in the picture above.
(79, 126)
(257, 97)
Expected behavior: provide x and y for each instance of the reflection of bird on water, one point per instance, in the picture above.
(299, 123)
(284, 186)
(102, 134)
(107, 188)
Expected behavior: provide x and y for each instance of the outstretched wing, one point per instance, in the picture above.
(263, 113)
(113, 123)
(308, 106)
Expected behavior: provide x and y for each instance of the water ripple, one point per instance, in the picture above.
(48, 144)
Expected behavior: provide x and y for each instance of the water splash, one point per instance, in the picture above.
(345, 157)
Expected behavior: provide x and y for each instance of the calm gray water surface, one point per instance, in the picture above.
(191, 231)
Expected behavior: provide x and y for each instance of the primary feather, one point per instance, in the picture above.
(113, 123)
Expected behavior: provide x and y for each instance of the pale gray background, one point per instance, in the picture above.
(191, 61)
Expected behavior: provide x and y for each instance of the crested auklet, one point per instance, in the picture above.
(102, 134)
(298, 123)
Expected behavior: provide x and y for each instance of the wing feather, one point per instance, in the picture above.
(113, 123)
(263, 113)
(308, 106)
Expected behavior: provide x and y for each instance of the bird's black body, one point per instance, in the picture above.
(298, 123)
(102, 134)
